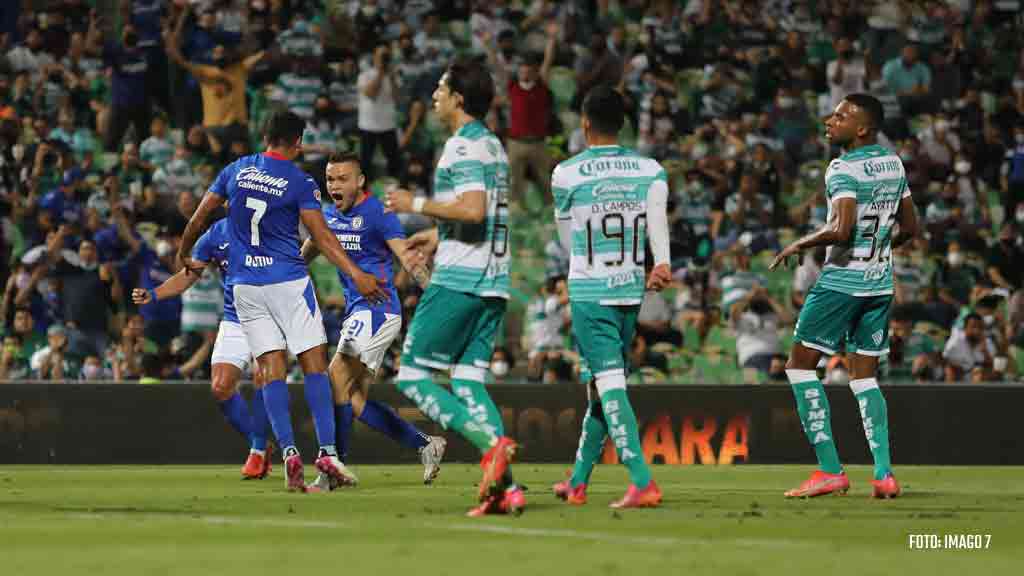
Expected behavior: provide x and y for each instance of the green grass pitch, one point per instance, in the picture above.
(148, 520)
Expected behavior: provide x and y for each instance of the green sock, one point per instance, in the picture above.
(622, 427)
(441, 407)
(591, 445)
(875, 416)
(474, 395)
(812, 405)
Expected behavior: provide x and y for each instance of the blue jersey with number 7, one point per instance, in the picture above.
(265, 194)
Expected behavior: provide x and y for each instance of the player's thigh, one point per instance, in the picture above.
(366, 336)
(484, 331)
(438, 334)
(231, 347)
(603, 334)
(294, 308)
(254, 316)
(869, 334)
(825, 319)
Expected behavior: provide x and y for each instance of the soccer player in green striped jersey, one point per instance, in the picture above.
(608, 200)
(461, 310)
(868, 198)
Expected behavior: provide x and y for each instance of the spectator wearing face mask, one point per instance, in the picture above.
(89, 290)
(222, 84)
(55, 362)
(501, 364)
(910, 79)
(162, 318)
(846, 74)
(956, 277)
(19, 345)
(378, 87)
(93, 370)
(130, 105)
(529, 112)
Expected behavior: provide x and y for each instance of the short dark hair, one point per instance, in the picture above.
(871, 106)
(605, 109)
(345, 158)
(283, 128)
(973, 316)
(469, 77)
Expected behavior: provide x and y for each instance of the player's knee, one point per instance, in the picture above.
(222, 387)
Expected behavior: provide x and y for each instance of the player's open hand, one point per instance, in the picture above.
(140, 297)
(399, 200)
(660, 277)
(781, 257)
(371, 287)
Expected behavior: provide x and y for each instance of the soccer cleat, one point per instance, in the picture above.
(886, 487)
(431, 456)
(564, 491)
(635, 498)
(257, 466)
(294, 474)
(323, 483)
(494, 463)
(490, 505)
(336, 469)
(514, 501)
(819, 484)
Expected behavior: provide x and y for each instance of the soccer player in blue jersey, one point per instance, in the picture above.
(372, 238)
(268, 196)
(231, 356)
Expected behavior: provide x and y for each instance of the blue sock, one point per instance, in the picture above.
(343, 421)
(237, 414)
(321, 401)
(277, 399)
(260, 422)
(384, 419)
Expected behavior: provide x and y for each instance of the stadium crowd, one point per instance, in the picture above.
(115, 116)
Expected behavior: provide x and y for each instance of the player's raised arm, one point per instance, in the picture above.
(197, 225)
(368, 285)
(176, 285)
(470, 206)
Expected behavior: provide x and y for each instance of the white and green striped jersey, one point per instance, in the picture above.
(156, 151)
(603, 191)
(875, 178)
(736, 285)
(298, 93)
(202, 304)
(473, 258)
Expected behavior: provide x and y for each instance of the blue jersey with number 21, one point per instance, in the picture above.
(265, 193)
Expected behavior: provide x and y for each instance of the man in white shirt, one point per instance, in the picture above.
(845, 74)
(969, 353)
(378, 86)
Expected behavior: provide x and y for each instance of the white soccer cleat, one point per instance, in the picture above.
(335, 468)
(431, 456)
(323, 483)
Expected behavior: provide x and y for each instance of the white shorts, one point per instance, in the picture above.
(231, 346)
(281, 316)
(360, 340)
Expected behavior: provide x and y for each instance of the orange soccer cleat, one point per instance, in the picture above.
(819, 484)
(564, 491)
(494, 464)
(257, 465)
(649, 497)
(886, 487)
